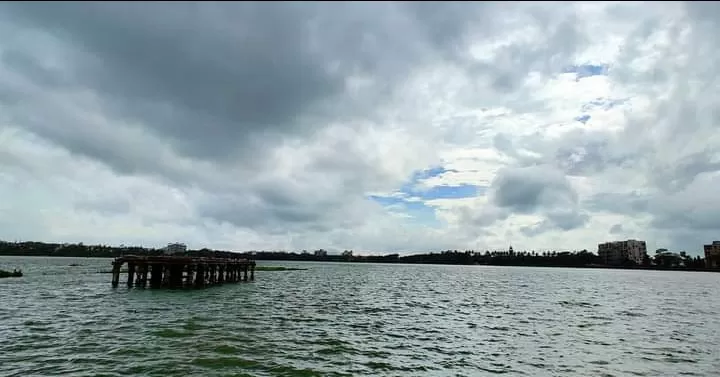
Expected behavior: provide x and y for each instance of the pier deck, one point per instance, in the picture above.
(181, 271)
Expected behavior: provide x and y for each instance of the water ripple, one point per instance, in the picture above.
(353, 320)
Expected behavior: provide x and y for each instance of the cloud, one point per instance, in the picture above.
(524, 190)
(374, 126)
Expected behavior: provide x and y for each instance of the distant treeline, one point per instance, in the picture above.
(581, 258)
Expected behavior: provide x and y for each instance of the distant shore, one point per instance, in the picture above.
(265, 268)
(567, 259)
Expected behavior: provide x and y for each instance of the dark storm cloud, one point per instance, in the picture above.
(224, 80)
(210, 76)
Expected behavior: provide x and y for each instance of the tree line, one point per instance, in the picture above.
(582, 258)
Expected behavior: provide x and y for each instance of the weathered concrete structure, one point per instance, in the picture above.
(181, 272)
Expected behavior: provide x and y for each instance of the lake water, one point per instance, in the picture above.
(362, 320)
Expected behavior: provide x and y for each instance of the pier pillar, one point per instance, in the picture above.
(166, 275)
(131, 274)
(221, 274)
(116, 274)
(176, 275)
(245, 272)
(252, 271)
(156, 275)
(190, 270)
(200, 275)
(141, 278)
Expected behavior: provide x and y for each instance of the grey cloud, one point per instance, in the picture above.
(621, 203)
(587, 153)
(487, 216)
(707, 13)
(106, 206)
(678, 174)
(673, 149)
(580, 152)
(616, 229)
(208, 94)
(504, 144)
(567, 218)
(690, 240)
(210, 77)
(27, 65)
(450, 20)
(541, 190)
(323, 187)
(694, 208)
(557, 219)
(561, 37)
(223, 81)
(219, 81)
(526, 189)
(537, 229)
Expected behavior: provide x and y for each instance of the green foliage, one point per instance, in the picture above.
(582, 258)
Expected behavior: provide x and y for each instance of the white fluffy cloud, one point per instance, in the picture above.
(386, 127)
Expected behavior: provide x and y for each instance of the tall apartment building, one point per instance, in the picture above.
(617, 252)
(712, 255)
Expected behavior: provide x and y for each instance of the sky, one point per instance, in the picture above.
(377, 127)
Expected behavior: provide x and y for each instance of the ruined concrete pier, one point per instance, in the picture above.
(181, 271)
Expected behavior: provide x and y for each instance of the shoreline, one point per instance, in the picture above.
(336, 260)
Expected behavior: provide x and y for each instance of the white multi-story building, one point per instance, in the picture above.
(175, 248)
(617, 252)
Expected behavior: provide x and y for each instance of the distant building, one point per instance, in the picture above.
(175, 248)
(665, 258)
(618, 252)
(712, 255)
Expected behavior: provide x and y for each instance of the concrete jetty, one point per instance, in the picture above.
(181, 271)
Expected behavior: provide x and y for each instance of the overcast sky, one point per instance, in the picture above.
(378, 127)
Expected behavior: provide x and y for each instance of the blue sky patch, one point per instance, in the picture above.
(418, 211)
(448, 192)
(418, 176)
(583, 118)
(412, 188)
(412, 201)
(587, 70)
(602, 104)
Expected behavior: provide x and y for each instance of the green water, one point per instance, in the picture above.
(362, 320)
